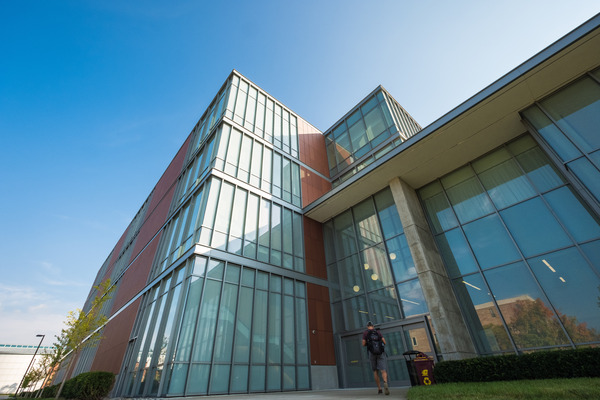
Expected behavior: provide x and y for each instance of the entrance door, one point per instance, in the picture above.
(356, 370)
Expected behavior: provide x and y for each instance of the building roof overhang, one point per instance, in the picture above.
(480, 124)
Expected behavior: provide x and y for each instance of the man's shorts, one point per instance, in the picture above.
(378, 362)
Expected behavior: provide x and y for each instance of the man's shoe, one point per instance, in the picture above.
(385, 386)
(379, 391)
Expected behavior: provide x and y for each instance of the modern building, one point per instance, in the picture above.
(267, 244)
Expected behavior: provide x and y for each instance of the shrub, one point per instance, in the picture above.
(538, 365)
(87, 386)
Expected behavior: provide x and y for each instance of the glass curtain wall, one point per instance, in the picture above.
(370, 267)
(569, 122)
(521, 248)
(215, 327)
(372, 129)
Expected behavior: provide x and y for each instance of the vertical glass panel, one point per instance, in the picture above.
(243, 326)
(239, 379)
(237, 221)
(384, 304)
(412, 298)
(215, 269)
(274, 336)
(481, 314)
(296, 186)
(366, 224)
(232, 89)
(209, 215)
(259, 328)
(223, 216)
(277, 126)
(257, 378)
(250, 110)
(356, 312)
(344, 235)
(199, 383)
(289, 378)
(466, 195)
(388, 214)
(233, 273)
(375, 267)
(248, 277)
(276, 234)
(343, 150)
(219, 379)
(264, 225)
(260, 115)
(456, 253)
(286, 180)
(245, 157)
(358, 134)
(177, 381)
(256, 165)
(578, 220)
(287, 239)
(266, 170)
(572, 288)
(592, 252)
(269, 121)
(274, 377)
(289, 348)
(301, 332)
(233, 152)
(240, 107)
(262, 280)
(529, 317)
(490, 242)
(225, 327)
(555, 138)
(437, 208)
(251, 228)
(588, 174)
(375, 123)
(576, 110)
(503, 179)
(401, 258)
(190, 313)
(534, 228)
(205, 336)
(276, 189)
(350, 274)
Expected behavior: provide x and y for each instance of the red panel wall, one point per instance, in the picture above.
(314, 250)
(116, 336)
(314, 154)
(112, 349)
(320, 326)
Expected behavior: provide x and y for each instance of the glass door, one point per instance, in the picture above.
(356, 370)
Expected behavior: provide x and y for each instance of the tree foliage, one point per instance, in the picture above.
(82, 329)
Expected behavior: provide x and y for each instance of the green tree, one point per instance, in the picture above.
(83, 328)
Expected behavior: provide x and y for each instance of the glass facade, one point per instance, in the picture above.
(365, 134)
(371, 272)
(519, 245)
(213, 327)
(569, 122)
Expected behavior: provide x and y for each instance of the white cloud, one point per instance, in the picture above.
(26, 312)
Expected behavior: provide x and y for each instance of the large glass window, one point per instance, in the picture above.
(217, 327)
(569, 122)
(525, 242)
(370, 268)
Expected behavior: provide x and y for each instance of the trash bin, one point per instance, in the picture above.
(420, 368)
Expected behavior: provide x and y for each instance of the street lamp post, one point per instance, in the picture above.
(31, 362)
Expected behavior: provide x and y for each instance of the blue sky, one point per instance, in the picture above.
(96, 97)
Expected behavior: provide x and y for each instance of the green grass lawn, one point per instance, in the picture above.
(542, 389)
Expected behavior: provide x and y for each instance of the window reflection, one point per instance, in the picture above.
(529, 317)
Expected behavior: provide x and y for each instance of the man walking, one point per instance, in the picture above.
(375, 342)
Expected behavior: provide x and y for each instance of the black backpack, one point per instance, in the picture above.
(374, 342)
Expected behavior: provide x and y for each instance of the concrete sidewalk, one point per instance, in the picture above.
(337, 394)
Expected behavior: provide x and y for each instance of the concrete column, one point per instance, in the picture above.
(450, 328)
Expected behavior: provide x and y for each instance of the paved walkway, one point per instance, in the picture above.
(337, 394)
